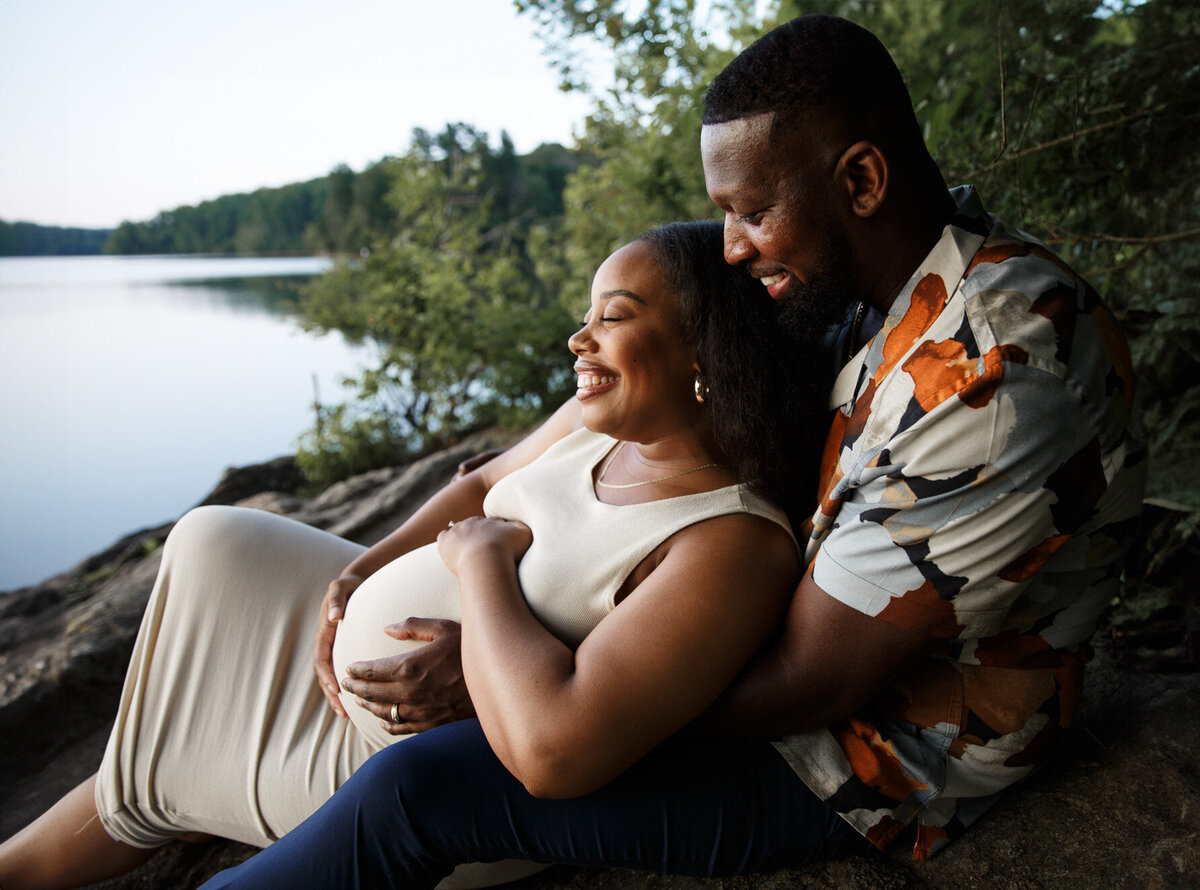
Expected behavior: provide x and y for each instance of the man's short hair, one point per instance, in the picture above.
(819, 70)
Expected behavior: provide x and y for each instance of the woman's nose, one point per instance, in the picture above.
(579, 341)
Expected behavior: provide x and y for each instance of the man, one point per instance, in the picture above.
(977, 489)
(980, 477)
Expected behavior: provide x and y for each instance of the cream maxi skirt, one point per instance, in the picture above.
(221, 727)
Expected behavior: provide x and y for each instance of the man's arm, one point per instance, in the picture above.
(829, 661)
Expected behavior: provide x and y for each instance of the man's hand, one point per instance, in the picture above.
(333, 608)
(427, 683)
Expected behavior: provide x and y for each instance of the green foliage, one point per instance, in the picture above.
(466, 332)
(642, 136)
(354, 208)
(335, 214)
(1154, 603)
(348, 440)
(29, 239)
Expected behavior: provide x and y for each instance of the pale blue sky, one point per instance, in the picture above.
(117, 109)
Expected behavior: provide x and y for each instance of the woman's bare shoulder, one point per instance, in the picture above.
(748, 536)
(724, 553)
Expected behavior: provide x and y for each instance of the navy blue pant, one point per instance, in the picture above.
(418, 808)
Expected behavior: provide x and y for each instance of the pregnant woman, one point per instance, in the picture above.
(641, 523)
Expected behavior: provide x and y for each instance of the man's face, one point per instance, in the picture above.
(781, 223)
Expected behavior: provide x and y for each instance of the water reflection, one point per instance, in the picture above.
(270, 296)
(124, 397)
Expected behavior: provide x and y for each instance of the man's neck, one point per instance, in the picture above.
(914, 232)
(868, 326)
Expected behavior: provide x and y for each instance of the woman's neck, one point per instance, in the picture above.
(681, 463)
(688, 446)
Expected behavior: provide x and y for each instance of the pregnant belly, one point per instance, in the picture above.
(417, 585)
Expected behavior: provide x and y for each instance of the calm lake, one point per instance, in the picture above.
(128, 384)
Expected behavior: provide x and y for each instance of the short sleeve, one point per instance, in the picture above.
(941, 523)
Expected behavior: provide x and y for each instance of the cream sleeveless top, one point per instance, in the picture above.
(584, 549)
(582, 552)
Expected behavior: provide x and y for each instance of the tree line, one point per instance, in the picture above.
(30, 239)
(341, 213)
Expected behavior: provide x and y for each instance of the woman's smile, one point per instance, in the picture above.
(593, 381)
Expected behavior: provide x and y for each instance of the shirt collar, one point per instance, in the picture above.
(948, 260)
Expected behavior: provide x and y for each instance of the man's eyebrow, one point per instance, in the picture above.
(609, 294)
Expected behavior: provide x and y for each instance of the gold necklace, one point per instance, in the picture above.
(600, 480)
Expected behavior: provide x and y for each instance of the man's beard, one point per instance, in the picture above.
(808, 310)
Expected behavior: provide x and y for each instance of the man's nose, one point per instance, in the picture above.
(738, 248)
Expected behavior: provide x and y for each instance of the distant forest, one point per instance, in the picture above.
(338, 214)
(28, 239)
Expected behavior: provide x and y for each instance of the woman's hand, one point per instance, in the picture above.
(479, 534)
(333, 608)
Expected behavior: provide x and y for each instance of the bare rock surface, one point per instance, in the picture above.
(1119, 807)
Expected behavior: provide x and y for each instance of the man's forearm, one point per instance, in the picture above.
(828, 661)
(762, 701)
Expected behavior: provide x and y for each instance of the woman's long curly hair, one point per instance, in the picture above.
(764, 408)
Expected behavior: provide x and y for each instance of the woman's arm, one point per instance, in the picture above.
(461, 497)
(565, 723)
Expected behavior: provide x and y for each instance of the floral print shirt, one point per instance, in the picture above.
(979, 484)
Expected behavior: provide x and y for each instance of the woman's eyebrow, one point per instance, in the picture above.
(609, 294)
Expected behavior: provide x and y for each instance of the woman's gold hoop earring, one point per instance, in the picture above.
(701, 388)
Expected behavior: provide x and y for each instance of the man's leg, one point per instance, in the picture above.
(415, 810)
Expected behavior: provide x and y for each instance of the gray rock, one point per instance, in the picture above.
(1118, 807)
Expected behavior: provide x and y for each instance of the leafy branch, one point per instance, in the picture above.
(1061, 236)
(1063, 140)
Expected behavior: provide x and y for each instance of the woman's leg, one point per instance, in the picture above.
(694, 806)
(221, 728)
(67, 847)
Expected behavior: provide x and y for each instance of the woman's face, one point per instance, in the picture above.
(635, 374)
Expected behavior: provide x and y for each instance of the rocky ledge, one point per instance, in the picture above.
(1119, 806)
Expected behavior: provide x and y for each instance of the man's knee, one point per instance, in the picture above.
(426, 773)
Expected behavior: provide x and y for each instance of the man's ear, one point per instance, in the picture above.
(863, 171)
